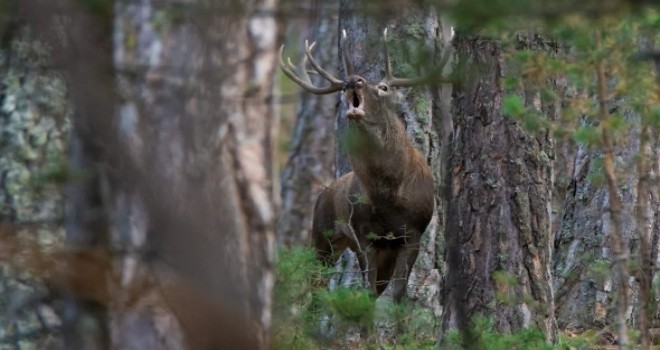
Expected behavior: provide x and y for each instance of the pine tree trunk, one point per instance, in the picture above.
(311, 161)
(180, 163)
(204, 134)
(497, 234)
(34, 121)
(585, 287)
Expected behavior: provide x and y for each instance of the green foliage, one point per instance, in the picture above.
(355, 141)
(340, 221)
(530, 119)
(354, 306)
(416, 327)
(487, 338)
(327, 233)
(298, 275)
(596, 175)
(559, 69)
(372, 236)
(57, 173)
(505, 279)
(301, 299)
(168, 17)
(654, 117)
(513, 106)
(600, 270)
(361, 198)
(588, 135)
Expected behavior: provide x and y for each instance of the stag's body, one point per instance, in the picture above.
(388, 202)
(381, 208)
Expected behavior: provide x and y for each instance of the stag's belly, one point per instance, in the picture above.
(384, 223)
(346, 217)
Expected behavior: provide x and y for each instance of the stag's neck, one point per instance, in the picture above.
(384, 170)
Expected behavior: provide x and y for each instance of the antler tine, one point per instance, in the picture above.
(335, 84)
(388, 63)
(347, 61)
(323, 72)
(435, 76)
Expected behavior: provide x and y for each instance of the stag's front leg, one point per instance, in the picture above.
(367, 257)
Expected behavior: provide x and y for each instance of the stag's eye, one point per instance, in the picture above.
(382, 87)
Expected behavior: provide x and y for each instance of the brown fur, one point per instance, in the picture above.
(387, 199)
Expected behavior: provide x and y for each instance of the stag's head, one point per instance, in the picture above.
(369, 105)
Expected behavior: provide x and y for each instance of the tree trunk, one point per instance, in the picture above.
(204, 137)
(180, 164)
(85, 316)
(33, 118)
(310, 164)
(584, 285)
(497, 232)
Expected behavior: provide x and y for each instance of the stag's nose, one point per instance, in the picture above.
(354, 97)
(355, 83)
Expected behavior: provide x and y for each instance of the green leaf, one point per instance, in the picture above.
(352, 305)
(587, 135)
(513, 106)
(653, 119)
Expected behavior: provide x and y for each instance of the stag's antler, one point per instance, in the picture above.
(435, 76)
(305, 82)
(347, 60)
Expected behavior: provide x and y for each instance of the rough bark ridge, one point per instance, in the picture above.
(310, 164)
(497, 231)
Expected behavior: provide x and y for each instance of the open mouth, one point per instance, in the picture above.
(355, 104)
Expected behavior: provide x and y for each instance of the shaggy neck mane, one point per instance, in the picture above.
(383, 171)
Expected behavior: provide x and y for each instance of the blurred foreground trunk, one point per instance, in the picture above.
(33, 118)
(172, 131)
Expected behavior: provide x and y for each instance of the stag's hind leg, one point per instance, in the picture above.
(327, 239)
(386, 265)
(405, 261)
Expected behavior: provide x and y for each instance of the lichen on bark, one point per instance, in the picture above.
(34, 121)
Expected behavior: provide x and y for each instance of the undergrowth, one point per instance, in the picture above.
(308, 316)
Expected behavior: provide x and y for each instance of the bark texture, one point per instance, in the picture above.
(584, 283)
(74, 31)
(174, 129)
(33, 118)
(197, 114)
(310, 166)
(497, 232)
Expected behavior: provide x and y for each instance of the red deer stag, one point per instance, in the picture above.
(381, 208)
